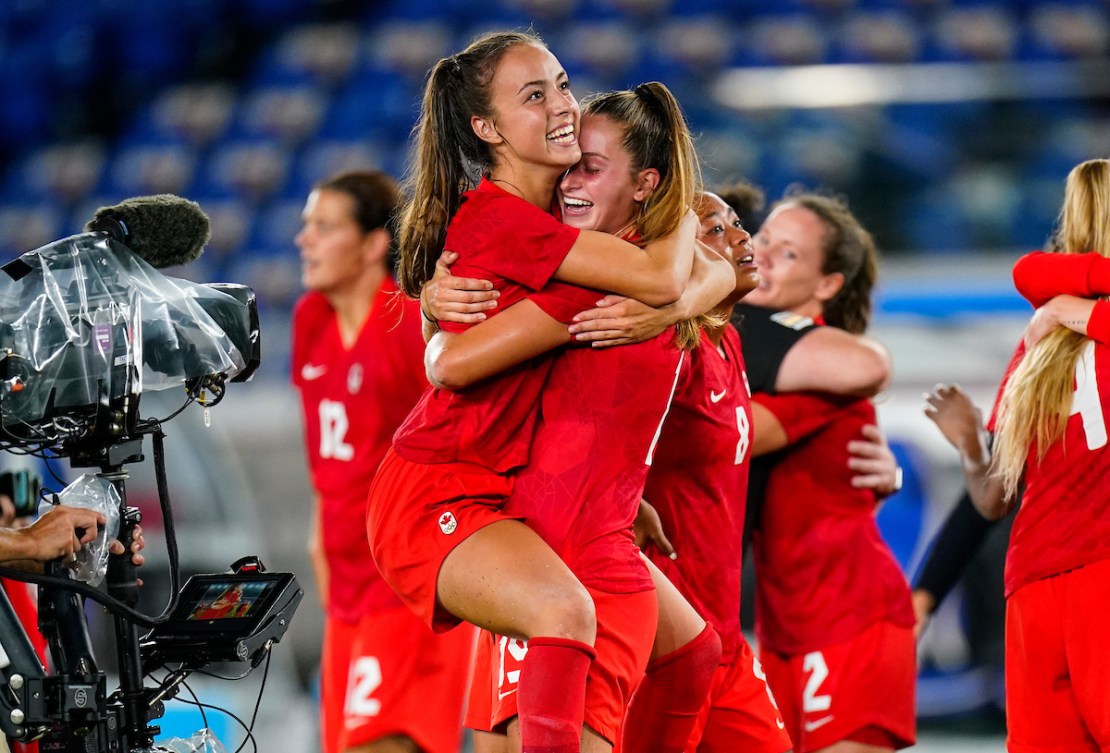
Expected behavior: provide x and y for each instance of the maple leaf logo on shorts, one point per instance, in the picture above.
(447, 523)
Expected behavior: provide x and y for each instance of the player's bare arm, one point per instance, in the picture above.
(456, 360)
(863, 364)
(618, 320)
(961, 423)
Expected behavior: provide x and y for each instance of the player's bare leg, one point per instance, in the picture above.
(491, 742)
(591, 741)
(504, 578)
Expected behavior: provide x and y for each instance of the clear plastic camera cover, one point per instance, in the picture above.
(97, 494)
(83, 320)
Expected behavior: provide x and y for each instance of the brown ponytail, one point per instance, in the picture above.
(656, 136)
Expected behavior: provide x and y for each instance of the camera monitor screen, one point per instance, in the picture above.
(228, 604)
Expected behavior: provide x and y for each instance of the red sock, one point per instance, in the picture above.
(551, 699)
(665, 707)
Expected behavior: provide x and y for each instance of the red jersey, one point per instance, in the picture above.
(1064, 519)
(1041, 276)
(501, 238)
(353, 401)
(698, 483)
(601, 413)
(824, 572)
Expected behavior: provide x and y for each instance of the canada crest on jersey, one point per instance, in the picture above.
(447, 523)
(791, 320)
(354, 378)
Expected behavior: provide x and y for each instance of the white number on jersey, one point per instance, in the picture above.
(745, 428)
(333, 431)
(1086, 401)
(366, 677)
(517, 650)
(814, 663)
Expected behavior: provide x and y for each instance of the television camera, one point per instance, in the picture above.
(87, 324)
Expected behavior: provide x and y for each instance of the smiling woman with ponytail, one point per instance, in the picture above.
(498, 128)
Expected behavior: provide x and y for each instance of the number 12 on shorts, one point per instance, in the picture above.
(366, 677)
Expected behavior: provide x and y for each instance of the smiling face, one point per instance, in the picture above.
(599, 192)
(789, 249)
(334, 250)
(535, 116)
(721, 231)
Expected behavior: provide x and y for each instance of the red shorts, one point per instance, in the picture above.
(861, 690)
(625, 632)
(1057, 695)
(389, 675)
(740, 713)
(418, 513)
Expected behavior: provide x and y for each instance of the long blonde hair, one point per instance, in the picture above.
(449, 157)
(1037, 398)
(656, 136)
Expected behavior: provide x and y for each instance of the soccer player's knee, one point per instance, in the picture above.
(569, 613)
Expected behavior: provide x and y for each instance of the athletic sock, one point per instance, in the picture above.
(551, 698)
(664, 708)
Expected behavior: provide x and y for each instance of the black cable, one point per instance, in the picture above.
(215, 676)
(170, 673)
(250, 734)
(258, 701)
(113, 605)
(200, 706)
(167, 519)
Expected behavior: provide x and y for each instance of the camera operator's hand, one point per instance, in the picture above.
(60, 532)
(137, 545)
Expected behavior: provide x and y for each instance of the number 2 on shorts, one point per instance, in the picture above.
(814, 664)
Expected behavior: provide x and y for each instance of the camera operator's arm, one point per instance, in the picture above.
(60, 532)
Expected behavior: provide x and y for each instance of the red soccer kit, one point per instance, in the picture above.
(353, 400)
(602, 410)
(1062, 523)
(601, 413)
(377, 655)
(600, 417)
(448, 473)
(698, 484)
(1058, 562)
(825, 578)
(516, 246)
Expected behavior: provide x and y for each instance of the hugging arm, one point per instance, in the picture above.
(1041, 276)
(618, 320)
(863, 365)
(524, 330)
(656, 274)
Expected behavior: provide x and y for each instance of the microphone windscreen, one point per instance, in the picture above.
(165, 230)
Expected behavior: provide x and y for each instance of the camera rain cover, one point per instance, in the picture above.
(85, 321)
(97, 494)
